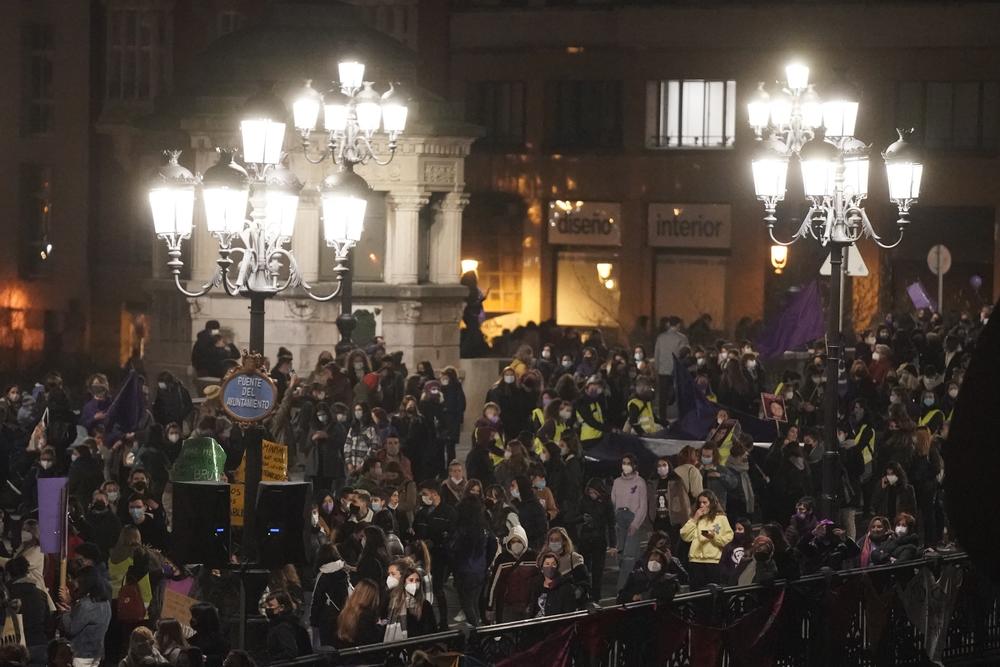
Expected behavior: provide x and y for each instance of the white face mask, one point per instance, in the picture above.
(162, 386)
(751, 365)
(662, 471)
(892, 479)
(654, 566)
(876, 356)
(546, 354)
(627, 469)
(638, 356)
(45, 464)
(457, 480)
(426, 500)
(174, 437)
(516, 548)
(341, 417)
(789, 395)
(509, 379)
(113, 496)
(953, 393)
(507, 454)
(900, 531)
(358, 414)
(700, 361)
(566, 363)
(445, 382)
(391, 582)
(565, 415)
(314, 519)
(412, 588)
(26, 536)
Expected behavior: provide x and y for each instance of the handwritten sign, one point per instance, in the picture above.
(274, 466)
(236, 496)
(177, 606)
(249, 396)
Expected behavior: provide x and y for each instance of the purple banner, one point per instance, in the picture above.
(51, 513)
(801, 322)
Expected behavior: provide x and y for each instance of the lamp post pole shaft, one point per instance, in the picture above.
(834, 352)
(346, 322)
(252, 437)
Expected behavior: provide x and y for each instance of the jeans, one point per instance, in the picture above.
(627, 545)
(703, 574)
(470, 589)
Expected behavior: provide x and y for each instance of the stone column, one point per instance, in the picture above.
(403, 237)
(446, 238)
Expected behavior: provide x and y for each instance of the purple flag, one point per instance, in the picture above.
(129, 406)
(51, 514)
(918, 295)
(800, 323)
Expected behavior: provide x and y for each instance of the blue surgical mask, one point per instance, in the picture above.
(137, 512)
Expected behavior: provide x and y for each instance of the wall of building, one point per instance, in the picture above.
(888, 43)
(43, 303)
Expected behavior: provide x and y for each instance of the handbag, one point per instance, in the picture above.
(130, 606)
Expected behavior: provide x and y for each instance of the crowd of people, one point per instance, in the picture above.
(526, 526)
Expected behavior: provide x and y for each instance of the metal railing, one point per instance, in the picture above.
(816, 625)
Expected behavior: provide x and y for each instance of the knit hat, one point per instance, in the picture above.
(212, 391)
(284, 354)
(518, 533)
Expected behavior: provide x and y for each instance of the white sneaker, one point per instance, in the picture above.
(460, 618)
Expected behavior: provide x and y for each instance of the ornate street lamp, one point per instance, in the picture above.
(795, 122)
(251, 205)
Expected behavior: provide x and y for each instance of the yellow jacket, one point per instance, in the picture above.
(704, 549)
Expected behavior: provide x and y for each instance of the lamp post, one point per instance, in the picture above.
(251, 205)
(796, 122)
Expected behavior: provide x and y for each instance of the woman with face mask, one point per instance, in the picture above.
(925, 473)
(513, 576)
(553, 594)
(408, 606)
(530, 512)
(931, 414)
(172, 402)
(571, 563)
(510, 397)
(640, 418)
(330, 593)
(591, 411)
(95, 410)
(736, 555)
(904, 542)
(630, 497)
(453, 410)
(650, 580)
(488, 434)
(716, 477)
(872, 544)
(893, 493)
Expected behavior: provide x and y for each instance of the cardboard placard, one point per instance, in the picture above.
(177, 606)
(236, 493)
(774, 407)
(274, 462)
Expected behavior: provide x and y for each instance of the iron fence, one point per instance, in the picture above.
(870, 618)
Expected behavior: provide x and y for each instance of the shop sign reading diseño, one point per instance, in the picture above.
(585, 223)
(689, 225)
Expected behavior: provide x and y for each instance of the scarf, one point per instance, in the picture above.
(331, 567)
(742, 469)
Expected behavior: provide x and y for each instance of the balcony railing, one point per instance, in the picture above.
(853, 617)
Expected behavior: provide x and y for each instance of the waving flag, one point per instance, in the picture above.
(800, 323)
(129, 406)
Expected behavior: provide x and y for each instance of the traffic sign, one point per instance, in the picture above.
(855, 264)
(939, 259)
(249, 396)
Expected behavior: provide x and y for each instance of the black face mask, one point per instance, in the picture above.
(100, 507)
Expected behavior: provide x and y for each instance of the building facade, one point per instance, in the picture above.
(617, 134)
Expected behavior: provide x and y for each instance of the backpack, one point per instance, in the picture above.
(678, 502)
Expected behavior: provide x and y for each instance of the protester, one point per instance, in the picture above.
(709, 532)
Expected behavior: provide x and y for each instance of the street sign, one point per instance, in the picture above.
(856, 266)
(939, 259)
(249, 396)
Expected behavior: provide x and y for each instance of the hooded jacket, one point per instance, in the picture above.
(513, 578)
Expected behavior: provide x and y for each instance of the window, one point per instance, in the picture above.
(690, 113)
(492, 232)
(36, 84)
(230, 21)
(35, 210)
(138, 66)
(584, 114)
(499, 107)
(583, 299)
(959, 115)
(368, 256)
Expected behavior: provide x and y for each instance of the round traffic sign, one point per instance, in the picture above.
(939, 259)
(249, 396)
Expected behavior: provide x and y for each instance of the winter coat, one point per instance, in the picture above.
(512, 582)
(328, 599)
(286, 638)
(86, 475)
(454, 411)
(559, 599)
(661, 586)
(893, 499)
(172, 404)
(533, 519)
(34, 610)
(596, 522)
(572, 488)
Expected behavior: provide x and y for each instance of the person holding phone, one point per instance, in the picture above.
(708, 531)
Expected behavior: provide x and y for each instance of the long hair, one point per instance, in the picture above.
(714, 508)
(568, 547)
(284, 576)
(732, 377)
(398, 597)
(364, 599)
(169, 634)
(421, 555)
(129, 539)
(375, 545)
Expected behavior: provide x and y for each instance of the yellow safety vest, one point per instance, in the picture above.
(926, 419)
(646, 419)
(537, 417)
(867, 448)
(500, 443)
(588, 432)
(556, 437)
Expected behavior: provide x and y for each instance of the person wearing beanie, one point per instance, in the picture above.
(282, 371)
(513, 576)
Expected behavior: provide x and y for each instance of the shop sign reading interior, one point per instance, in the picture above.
(689, 225)
(585, 223)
